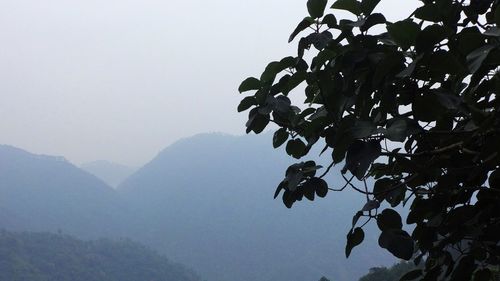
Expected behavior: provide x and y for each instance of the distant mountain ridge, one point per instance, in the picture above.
(205, 201)
(212, 195)
(48, 193)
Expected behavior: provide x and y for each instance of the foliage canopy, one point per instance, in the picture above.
(412, 104)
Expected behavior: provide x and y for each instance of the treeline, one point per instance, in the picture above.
(47, 257)
(393, 273)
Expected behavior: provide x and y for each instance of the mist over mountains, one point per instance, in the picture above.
(204, 201)
(111, 173)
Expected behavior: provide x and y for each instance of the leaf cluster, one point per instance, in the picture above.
(412, 104)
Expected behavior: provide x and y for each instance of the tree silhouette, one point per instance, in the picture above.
(412, 104)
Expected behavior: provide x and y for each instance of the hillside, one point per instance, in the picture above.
(205, 201)
(47, 193)
(211, 196)
(49, 257)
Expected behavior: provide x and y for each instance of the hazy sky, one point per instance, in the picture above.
(120, 80)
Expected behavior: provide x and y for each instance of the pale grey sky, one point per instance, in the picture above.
(122, 79)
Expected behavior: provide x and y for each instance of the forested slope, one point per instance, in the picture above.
(49, 257)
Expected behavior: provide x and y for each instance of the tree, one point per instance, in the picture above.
(394, 273)
(411, 104)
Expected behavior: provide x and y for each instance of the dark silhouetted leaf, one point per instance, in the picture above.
(249, 84)
(305, 23)
(320, 186)
(389, 219)
(397, 242)
(372, 20)
(429, 37)
(404, 33)
(476, 58)
(280, 136)
(296, 148)
(370, 205)
(246, 103)
(356, 218)
(494, 179)
(464, 269)
(483, 275)
(316, 8)
(352, 6)
(360, 156)
(367, 6)
(288, 199)
(330, 20)
(429, 12)
(354, 238)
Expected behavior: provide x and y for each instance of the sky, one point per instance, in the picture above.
(122, 79)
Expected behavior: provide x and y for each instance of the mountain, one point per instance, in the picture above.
(111, 173)
(207, 201)
(47, 257)
(47, 193)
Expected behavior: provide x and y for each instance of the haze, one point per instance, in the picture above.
(120, 80)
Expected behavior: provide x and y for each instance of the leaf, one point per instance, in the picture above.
(305, 23)
(288, 199)
(412, 275)
(320, 40)
(296, 148)
(397, 242)
(429, 37)
(309, 169)
(360, 155)
(389, 65)
(352, 6)
(367, 6)
(363, 129)
(372, 20)
(256, 122)
(370, 205)
(404, 33)
(497, 16)
(280, 187)
(295, 80)
(483, 275)
(294, 176)
(408, 71)
(448, 101)
(316, 8)
(397, 131)
(321, 187)
(330, 20)
(493, 31)
(246, 103)
(354, 238)
(427, 108)
(429, 12)
(275, 67)
(464, 269)
(389, 219)
(279, 138)
(494, 179)
(249, 84)
(308, 190)
(476, 58)
(356, 218)
(446, 63)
